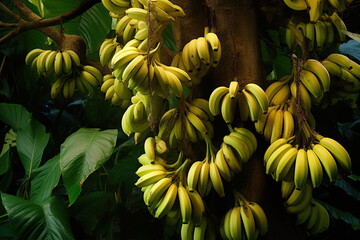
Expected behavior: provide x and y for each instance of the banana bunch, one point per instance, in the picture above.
(85, 78)
(204, 175)
(278, 92)
(192, 123)
(169, 80)
(286, 160)
(315, 218)
(344, 72)
(116, 7)
(159, 180)
(199, 55)
(143, 110)
(135, 32)
(315, 7)
(141, 71)
(251, 101)
(323, 34)
(309, 213)
(160, 10)
(116, 91)
(246, 220)
(311, 82)
(277, 123)
(238, 147)
(297, 200)
(204, 231)
(107, 50)
(227, 159)
(49, 62)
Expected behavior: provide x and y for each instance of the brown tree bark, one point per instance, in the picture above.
(237, 28)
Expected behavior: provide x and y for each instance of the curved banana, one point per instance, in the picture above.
(216, 179)
(223, 166)
(320, 71)
(254, 106)
(215, 99)
(259, 94)
(197, 206)
(228, 106)
(315, 168)
(301, 169)
(248, 221)
(327, 161)
(167, 201)
(338, 151)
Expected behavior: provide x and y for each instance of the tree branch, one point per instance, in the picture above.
(44, 25)
(9, 12)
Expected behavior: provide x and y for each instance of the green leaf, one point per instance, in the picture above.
(14, 115)
(169, 38)
(342, 215)
(82, 153)
(45, 180)
(5, 160)
(29, 220)
(348, 188)
(31, 142)
(93, 26)
(354, 177)
(5, 231)
(39, 5)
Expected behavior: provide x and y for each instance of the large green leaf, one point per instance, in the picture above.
(169, 40)
(344, 185)
(342, 215)
(82, 153)
(14, 115)
(45, 180)
(31, 142)
(29, 220)
(93, 26)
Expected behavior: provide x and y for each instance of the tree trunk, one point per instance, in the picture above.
(237, 28)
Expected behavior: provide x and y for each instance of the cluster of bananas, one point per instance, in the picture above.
(141, 71)
(85, 78)
(228, 158)
(316, 8)
(199, 55)
(165, 184)
(189, 122)
(246, 220)
(116, 7)
(312, 81)
(206, 230)
(309, 213)
(204, 175)
(277, 123)
(251, 101)
(322, 35)
(144, 110)
(344, 72)
(49, 62)
(107, 50)
(288, 160)
(116, 91)
(66, 66)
